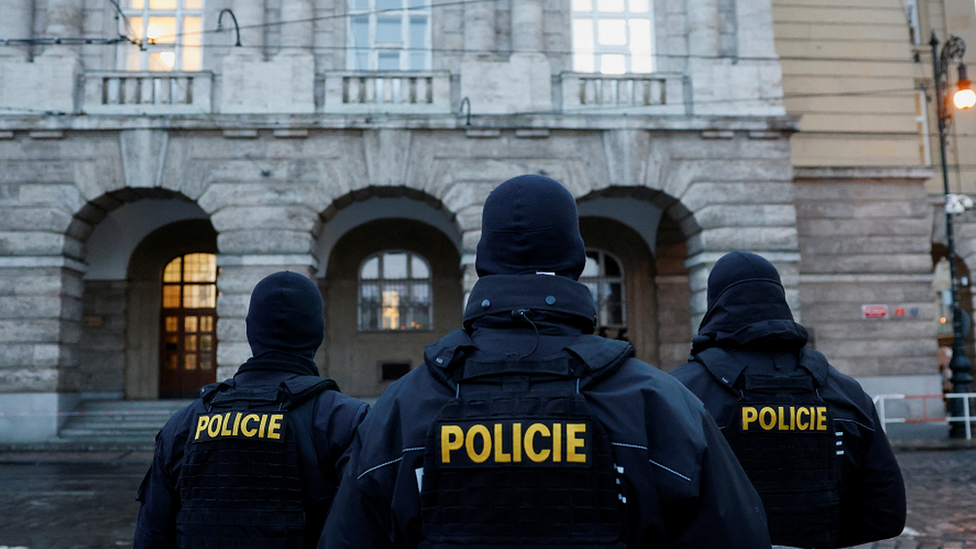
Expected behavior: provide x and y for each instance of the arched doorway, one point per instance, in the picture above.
(188, 320)
(392, 287)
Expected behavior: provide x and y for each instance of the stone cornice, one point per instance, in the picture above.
(865, 173)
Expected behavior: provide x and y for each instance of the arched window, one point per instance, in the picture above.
(189, 325)
(170, 32)
(389, 35)
(613, 36)
(394, 292)
(604, 276)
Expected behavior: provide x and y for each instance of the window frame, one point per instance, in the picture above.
(148, 48)
(405, 50)
(381, 283)
(601, 281)
(188, 341)
(594, 16)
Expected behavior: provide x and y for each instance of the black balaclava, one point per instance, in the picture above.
(530, 225)
(285, 315)
(746, 304)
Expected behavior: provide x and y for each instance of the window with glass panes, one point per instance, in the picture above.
(394, 292)
(613, 36)
(604, 276)
(190, 313)
(171, 32)
(389, 35)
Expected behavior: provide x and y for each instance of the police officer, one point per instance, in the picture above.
(525, 430)
(807, 435)
(255, 461)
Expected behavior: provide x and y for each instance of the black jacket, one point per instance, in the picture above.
(335, 418)
(749, 329)
(687, 488)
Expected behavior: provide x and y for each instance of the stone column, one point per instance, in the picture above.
(479, 30)
(296, 38)
(15, 25)
(527, 24)
(64, 19)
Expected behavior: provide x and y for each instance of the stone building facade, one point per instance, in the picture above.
(152, 171)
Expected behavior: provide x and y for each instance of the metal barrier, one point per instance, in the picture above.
(880, 402)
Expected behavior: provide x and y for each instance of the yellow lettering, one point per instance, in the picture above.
(767, 418)
(244, 428)
(530, 442)
(225, 432)
(821, 418)
(792, 418)
(274, 425)
(800, 424)
(201, 425)
(749, 414)
(557, 442)
(264, 420)
(572, 443)
(517, 443)
(452, 438)
(214, 428)
(782, 416)
(500, 456)
(237, 423)
(482, 431)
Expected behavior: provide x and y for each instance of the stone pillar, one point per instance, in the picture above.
(479, 30)
(40, 326)
(527, 25)
(64, 19)
(296, 38)
(15, 25)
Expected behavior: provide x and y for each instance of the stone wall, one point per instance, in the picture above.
(865, 240)
(101, 350)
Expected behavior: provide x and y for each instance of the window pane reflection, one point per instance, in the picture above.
(603, 275)
(395, 292)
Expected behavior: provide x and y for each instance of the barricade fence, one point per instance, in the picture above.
(923, 413)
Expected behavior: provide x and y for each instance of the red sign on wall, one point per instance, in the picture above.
(874, 311)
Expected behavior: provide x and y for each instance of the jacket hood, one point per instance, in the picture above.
(530, 224)
(285, 316)
(747, 305)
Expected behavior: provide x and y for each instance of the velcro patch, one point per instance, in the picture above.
(783, 418)
(530, 442)
(246, 425)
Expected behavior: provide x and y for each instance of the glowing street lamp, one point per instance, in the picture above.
(964, 98)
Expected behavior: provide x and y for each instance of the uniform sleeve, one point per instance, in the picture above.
(361, 513)
(336, 422)
(873, 501)
(729, 513)
(156, 525)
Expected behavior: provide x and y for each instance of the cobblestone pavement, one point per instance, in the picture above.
(87, 500)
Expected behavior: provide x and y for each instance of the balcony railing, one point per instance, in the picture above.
(356, 92)
(657, 93)
(147, 92)
(399, 92)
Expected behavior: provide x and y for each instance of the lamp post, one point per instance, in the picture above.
(964, 98)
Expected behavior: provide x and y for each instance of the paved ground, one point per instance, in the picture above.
(85, 500)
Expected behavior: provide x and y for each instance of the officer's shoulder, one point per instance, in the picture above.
(641, 376)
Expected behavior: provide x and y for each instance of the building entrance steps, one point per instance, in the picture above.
(109, 424)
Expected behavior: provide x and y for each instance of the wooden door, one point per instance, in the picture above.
(188, 342)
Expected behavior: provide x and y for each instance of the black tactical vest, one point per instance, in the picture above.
(241, 484)
(783, 434)
(515, 461)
